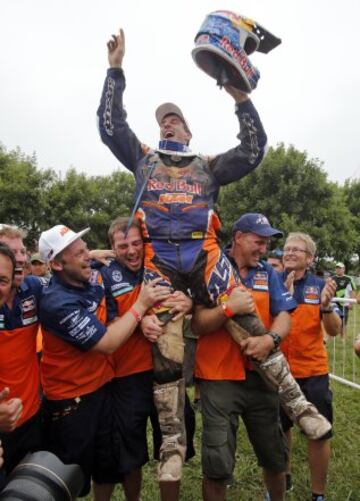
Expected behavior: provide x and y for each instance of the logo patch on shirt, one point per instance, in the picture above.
(175, 198)
(120, 289)
(261, 281)
(311, 294)
(28, 310)
(92, 306)
(117, 276)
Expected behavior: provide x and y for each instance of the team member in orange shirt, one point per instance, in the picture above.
(228, 388)
(19, 368)
(304, 347)
(10, 411)
(133, 383)
(75, 369)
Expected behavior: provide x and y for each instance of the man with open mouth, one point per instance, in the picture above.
(19, 367)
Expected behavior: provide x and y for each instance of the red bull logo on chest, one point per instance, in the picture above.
(173, 186)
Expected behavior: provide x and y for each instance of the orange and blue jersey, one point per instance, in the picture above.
(304, 347)
(73, 320)
(179, 196)
(19, 367)
(122, 287)
(218, 356)
(176, 206)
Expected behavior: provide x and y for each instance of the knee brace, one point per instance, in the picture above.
(169, 401)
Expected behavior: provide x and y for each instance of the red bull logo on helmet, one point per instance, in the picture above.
(222, 47)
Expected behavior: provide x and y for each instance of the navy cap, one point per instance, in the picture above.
(253, 222)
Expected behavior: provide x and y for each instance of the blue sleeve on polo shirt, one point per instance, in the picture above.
(71, 318)
(111, 308)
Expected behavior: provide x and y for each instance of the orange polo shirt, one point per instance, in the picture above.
(122, 288)
(304, 346)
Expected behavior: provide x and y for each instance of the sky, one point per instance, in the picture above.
(53, 61)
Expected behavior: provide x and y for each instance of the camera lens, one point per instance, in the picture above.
(41, 476)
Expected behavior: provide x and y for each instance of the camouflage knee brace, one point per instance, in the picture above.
(169, 401)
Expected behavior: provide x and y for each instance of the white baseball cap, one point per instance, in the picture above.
(55, 240)
(339, 265)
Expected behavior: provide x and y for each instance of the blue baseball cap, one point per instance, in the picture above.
(253, 222)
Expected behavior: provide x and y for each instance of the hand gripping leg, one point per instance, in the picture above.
(276, 373)
(168, 353)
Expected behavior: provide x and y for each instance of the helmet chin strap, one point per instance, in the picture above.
(174, 148)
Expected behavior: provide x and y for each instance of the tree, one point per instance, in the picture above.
(79, 201)
(22, 186)
(35, 199)
(352, 198)
(294, 192)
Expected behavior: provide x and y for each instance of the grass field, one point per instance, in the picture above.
(344, 473)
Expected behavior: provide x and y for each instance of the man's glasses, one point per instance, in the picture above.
(294, 250)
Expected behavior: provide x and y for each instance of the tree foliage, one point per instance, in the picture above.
(294, 193)
(37, 199)
(352, 200)
(289, 188)
(22, 186)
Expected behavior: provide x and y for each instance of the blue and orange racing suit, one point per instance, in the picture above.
(177, 205)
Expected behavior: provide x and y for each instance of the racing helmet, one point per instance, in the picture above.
(223, 44)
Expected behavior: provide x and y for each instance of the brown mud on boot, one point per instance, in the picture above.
(292, 399)
(169, 400)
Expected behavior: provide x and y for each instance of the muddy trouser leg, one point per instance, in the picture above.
(169, 398)
(276, 373)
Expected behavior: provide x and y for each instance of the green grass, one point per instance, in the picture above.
(343, 361)
(344, 472)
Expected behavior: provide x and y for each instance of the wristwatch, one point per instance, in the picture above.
(276, 338)
(323, 310)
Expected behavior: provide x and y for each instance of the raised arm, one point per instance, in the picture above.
(113, 127)
(244, 158)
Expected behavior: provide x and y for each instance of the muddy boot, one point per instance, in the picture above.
(276, 373)
(292, 399)
(169, 400)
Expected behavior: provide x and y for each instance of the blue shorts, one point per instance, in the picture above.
(133, 405)
(317, 391)
(80, 431)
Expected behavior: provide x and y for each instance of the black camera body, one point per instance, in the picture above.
(41, 476)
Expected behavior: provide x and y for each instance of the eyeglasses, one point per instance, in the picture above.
(294, 250)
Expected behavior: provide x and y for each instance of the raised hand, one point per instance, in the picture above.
(328, 293)
(116, 49)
